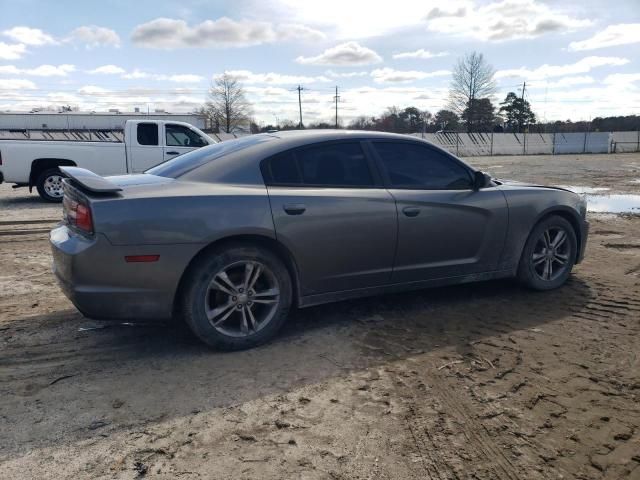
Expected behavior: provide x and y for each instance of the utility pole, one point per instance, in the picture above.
(300, 104)
(336, 99)
(520, 119)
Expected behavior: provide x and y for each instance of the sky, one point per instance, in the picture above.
(579, 58)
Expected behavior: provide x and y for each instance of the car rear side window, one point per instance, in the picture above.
(147, 134)
(332, 165)
(283, 170)
(410, 165)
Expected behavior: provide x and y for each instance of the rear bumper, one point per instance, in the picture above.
(584, 234)
(93, 274)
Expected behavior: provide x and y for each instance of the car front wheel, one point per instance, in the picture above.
(549, 254)
(237, 298)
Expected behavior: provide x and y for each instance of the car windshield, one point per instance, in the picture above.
(183, 164)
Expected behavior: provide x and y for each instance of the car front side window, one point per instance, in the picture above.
(181, 136)
(414, 166)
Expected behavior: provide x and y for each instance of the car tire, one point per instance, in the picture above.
(547, 259)
(220, 285)
(49, 185)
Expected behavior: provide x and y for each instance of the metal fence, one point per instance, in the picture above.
(488, 144)
(478, 144)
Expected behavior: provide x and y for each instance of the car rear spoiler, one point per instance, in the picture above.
(87, 180)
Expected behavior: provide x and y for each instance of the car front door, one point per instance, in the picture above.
(180, 139)
(333, 214)
(446, 228)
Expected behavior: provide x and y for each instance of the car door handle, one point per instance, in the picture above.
(411, 211)
(172, 153)
(294, 208)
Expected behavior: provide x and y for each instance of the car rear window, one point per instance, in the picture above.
(187, 162)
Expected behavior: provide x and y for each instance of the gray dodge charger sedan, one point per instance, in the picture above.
(232, 235)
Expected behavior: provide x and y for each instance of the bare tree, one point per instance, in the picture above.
(473, 79)
(227, 107)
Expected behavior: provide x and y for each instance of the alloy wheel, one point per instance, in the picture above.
(551, 254)
(242, 298)
(53, 186)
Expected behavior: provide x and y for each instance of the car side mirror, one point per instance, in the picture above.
(481, 180)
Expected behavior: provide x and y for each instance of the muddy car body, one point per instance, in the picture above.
(231, 235)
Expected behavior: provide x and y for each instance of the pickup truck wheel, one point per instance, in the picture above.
(237, 298)
(49, 185)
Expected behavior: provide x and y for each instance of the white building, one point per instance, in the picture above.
(88, 120)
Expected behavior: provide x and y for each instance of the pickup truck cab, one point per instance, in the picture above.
(32, 157)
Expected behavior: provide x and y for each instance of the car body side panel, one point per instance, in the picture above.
(454, 233)
(527, 205)
(96, 277)
(183, 212)
(345, 239)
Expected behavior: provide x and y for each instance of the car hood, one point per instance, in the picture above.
(516, 183)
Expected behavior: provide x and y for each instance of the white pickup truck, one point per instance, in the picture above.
(32, 157)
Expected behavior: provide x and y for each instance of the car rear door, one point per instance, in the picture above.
(180, 139)
(445, 227)
(144, 146)
(331, 211)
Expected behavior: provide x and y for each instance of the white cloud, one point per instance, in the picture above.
(29, 36)
(483, 19)
(421, 54)
(12, 51)
(296, 31)
(271, 78)
(137, 74)
(613, 35)
(588, 102)
(222, 32)
(547, 71)
(563, 82)
(503, 20)
(389, 75)
(41, 71)
(16, 84)
(92, 90)
(349, 53)
(93, 36)
(348, 20)
(185, 78)
(334, 74)
(622, 78)
(107, 70)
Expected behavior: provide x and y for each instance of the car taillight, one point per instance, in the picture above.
(83, 218)
(77, 215)
(0, 159)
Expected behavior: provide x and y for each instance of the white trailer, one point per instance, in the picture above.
(32, 157)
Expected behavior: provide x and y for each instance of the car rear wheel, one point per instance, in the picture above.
(237, 298)
(49, 185)
(548, 255)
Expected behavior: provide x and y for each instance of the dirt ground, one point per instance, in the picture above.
(480, 381)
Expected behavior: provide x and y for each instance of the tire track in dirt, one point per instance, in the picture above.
(22, 228)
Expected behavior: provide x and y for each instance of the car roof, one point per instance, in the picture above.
(299, 137)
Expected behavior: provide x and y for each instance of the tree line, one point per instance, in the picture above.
(470, 108)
